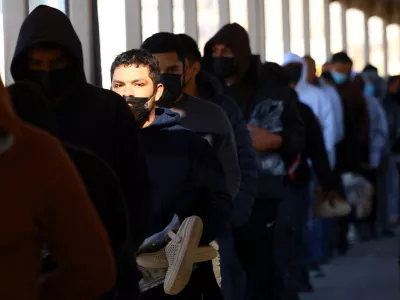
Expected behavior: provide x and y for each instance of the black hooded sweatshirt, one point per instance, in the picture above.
(101, 182)
(89, 117)
(248, 66)
(256, 83)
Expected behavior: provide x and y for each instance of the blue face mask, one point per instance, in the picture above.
(369, 90)
(338, 78)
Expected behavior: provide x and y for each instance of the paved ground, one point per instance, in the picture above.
(369, 272)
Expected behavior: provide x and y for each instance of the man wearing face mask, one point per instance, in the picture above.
(49, 53)
(353, 151)
(185, 173)
(202, 117)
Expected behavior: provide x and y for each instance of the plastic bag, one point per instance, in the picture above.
(359, 193)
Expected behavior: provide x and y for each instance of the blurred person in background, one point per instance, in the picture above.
(353, 150)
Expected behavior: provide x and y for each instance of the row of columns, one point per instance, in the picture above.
(81, 15)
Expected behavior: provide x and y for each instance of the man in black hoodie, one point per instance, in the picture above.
(204, 85)
(99, 179)
(49, 53)
(228, 55)
(185, 173)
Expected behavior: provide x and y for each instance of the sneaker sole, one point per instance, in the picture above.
(179, 272)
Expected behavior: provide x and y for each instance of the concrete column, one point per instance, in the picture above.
(385, 50)
(133, 20)
(14, 13)
(306, 27)
(224, 12)
(344, 27)
(80, 13)
(286, 25)
(191, 19)
(367, 48)
(327, 18)
(165, 15)
(256, 19)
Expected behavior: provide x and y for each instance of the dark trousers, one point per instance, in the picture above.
(265, 248)
(202, 286)
(300, 195)
(255, 249)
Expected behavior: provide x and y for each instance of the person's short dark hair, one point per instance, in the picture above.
(164, 42)
(370, 68)
(341, 57)
(308, 56)
(190, 47)
(138, 57)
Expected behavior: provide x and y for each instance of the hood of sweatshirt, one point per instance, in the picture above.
(47, 24)
(236, 38)
(208, 85)
(291, 58)
(165, 120)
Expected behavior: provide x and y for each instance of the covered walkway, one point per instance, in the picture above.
(369, 272)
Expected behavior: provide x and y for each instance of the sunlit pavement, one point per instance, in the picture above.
(369, 272)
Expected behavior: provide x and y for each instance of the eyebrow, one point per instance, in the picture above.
(135, 80)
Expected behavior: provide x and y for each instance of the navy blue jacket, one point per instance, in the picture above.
(210, 88)
(186, 176)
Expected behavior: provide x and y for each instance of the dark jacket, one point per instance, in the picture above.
(186, 176)
(210, 88)
(89, 117)
(255, 85)
(315, 151)
(273, 88)
(353, 150)
(101, 182)
(248, 65)
(391, 106)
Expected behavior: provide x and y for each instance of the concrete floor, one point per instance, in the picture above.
(369, 272)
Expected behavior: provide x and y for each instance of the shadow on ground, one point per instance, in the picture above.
(369, 272)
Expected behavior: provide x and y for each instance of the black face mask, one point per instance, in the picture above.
(224, 67)
(293, 73)
(172, 89)
(140, 106)
(54, 83)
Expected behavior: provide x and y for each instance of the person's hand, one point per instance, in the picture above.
(263, 140)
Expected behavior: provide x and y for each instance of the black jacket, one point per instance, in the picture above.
(276, 109)
(187, 177)
(257, 83)
(315, 151)
(210, 88)
(100, 180)
(89, 117)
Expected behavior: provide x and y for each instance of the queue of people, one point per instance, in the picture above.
(118, 194)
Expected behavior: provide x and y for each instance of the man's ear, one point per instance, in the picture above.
(159, 91)
(196, 68)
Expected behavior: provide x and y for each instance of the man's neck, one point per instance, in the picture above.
(191, 88)
(151, 119)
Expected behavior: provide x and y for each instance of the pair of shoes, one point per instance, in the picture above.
(179, 255)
